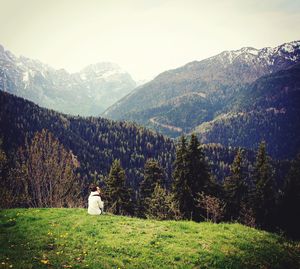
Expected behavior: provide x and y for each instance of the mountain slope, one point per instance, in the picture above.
(86, 93)
(70, 238)
(268, 109)
(95, 141)
(178, 100)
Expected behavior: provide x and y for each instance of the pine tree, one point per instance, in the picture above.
(198, 175)
(291, 201)
(160, 204)
(117, 193)
(190, 177)
(264, 193)
(180, 188)
(236, 187)
(5, 191)
(153, 174)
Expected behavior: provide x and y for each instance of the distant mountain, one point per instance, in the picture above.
(178, 100)
(88, 92)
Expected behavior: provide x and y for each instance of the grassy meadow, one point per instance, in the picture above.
(70, 238)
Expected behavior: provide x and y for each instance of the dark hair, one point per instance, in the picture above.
(93, 187)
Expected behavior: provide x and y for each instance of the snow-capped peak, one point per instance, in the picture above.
(233, 54)
(289, 51)
(101, 70)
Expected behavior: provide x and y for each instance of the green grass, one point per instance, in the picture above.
(70, 238)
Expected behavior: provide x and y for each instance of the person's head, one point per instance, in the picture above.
(93, 187)
(98, 190)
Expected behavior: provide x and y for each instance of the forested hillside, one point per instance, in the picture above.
(95, 141)
(180, 99)
(236, 98)
(267, 110)
(49, 159)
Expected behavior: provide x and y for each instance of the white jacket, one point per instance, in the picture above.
(95, 204)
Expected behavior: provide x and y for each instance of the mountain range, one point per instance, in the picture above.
(236, 98)
(86, 93)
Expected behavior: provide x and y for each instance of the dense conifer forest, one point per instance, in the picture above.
(96, 142)
(141, 172)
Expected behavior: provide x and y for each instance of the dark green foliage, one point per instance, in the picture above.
(161, 205)
(198, 175)
(290, 209)
(268, 109)
(153, 175)
(95, 141)
(236, 186)
(117, 193)
(5, 186)
(191, 176)
(264, 197)
(180, 187)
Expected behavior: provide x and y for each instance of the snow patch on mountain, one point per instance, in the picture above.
(87, 93)
(25, 76)
(289, 51)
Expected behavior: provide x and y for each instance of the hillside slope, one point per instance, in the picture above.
(268, 109)
(70, 238)
(95, 141)
(178, 100)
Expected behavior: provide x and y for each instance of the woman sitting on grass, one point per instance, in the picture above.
(96, 206)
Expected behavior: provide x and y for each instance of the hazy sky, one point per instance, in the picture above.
(143, 37)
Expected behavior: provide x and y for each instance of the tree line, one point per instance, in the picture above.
(86, 148)
(44, 174)
(251, 197)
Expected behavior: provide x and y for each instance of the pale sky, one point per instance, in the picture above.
(145, 37)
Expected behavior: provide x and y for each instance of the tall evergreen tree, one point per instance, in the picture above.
(5, 191)
(117, 193)
(264, 193)
(291, 201)
(160, 204)
(236, 187)
(190, 177)
(180, 188)
(197, 175)
(153, 174)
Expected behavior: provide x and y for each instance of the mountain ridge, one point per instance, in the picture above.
(201, 93)
(87, 92)
(267, 109)
(224, 73)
